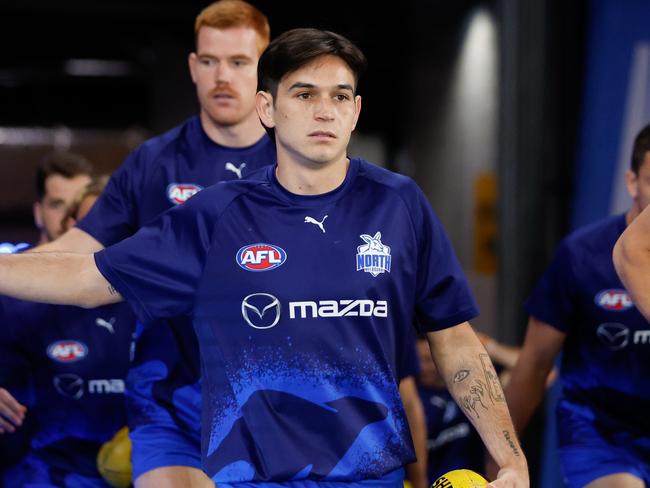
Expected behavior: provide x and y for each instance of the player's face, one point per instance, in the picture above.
(314, 112)
(224, 70)
(639, 184)
(59, 194)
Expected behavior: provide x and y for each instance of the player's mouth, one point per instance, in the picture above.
(322, 135)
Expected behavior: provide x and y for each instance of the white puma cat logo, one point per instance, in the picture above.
(311, 220)
(106, 324)
(235, 169)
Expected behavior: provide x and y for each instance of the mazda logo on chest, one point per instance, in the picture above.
(261, 310)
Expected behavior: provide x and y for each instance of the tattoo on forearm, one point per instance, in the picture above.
(475, 398)
(493, 383)
(511, 443)
(112, 290)
(461, 375)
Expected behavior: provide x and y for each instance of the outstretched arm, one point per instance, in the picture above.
(74, 240)
(60, 278)
(632, 261)
(470, 377)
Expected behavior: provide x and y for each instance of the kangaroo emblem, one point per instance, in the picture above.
(235, 169)
(107, 324)
(311, 220)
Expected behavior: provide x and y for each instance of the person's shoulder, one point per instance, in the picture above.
(596, 235)
(153, 148)
(383, 176)
(219, 196)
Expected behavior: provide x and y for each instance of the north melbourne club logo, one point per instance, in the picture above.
(373, 257)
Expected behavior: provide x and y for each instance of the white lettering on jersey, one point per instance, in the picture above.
(340, 308)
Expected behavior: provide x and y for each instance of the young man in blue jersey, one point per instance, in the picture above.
(580, 305)
(67, 364)
(300, 282)
(225, 141)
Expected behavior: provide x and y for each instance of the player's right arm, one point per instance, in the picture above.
(74, 240)
(632, 261)
(60, 278)
(525, 390)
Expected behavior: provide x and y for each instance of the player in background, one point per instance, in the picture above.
(581, 306)
(225, 141)
(295, 368)
(62, 368)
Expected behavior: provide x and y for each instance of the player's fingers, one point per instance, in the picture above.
(10, 409)
(6, 426)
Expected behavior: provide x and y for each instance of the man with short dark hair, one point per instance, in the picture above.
(301, 281)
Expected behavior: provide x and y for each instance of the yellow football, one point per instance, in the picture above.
(460, 478)
(114, 460)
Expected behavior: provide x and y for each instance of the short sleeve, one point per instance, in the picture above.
(552, 299)
(443, 296)
(113, 216)
(158, 269)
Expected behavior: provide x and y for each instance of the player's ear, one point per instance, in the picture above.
(631, 180)
(265, 109)
(357, 104)
(191, 62)
(37, 209)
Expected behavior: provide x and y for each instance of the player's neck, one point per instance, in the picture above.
(307, 178)
(245, 133)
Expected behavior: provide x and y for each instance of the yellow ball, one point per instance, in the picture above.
(460, 478)
(114, 460)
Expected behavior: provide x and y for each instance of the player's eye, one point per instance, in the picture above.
(341, 97)
(304, 95)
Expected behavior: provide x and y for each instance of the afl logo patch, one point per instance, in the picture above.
(67, 351)
(178, 193)
(261, 257)
(614, 300)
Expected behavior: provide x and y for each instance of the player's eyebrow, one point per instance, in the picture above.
(300, 84)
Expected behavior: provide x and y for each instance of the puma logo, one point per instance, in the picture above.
(235, 169)
(311, 220)
(108, 325)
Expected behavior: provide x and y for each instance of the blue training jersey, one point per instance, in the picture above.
(160, 174)
(68, 364)
(298, 303)
(606, 359)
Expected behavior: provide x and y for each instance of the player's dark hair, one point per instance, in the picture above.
(61, 163)
(296, 48)
(640, 148)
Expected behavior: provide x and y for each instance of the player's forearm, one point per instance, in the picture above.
(471, 379)
(525, 391)
(632, 262)
(66, 279)
(74, 240)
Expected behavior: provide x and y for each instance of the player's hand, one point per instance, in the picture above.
(511, 478)
(12, 413)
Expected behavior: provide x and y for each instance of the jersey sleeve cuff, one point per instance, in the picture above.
(102, 261)
(432, 325)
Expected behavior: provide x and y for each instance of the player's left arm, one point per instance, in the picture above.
(470, 377)
(416, 472)
(60, 278)
(632, 261)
